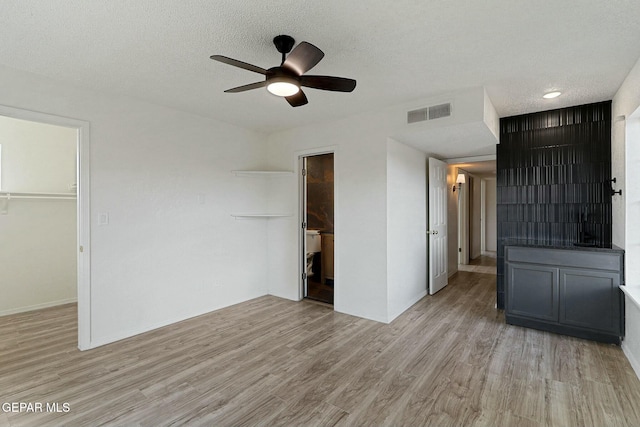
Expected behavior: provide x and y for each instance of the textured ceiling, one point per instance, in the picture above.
(400, 51)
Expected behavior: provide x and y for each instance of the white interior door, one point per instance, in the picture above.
(437, 225)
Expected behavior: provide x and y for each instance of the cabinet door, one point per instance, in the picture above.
(532, 291)
(327, 257)
(590, 299)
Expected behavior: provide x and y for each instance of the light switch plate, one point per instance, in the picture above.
(103, 219)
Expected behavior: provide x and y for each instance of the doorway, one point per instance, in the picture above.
(476, 211)
(318, 204)
(45, 187)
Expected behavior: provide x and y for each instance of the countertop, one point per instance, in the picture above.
(571, 247)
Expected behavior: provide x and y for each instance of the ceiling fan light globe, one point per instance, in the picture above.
(283, 89)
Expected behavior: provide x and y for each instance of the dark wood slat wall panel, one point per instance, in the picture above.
(553, 179)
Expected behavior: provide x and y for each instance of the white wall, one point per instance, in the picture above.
(631, 342)
(406, 227)
(626, 234)
(164, 256)
(37, 254)
(471, 130)
(491, 222)
(491, 118)
(361, 202)
(37, 157)
(360, 146)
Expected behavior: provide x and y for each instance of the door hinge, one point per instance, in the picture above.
(304, 225)
(459, 249)
(304, 276)
(81, 248)
(304, 172)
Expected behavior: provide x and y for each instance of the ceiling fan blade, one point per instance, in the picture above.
(298, 99)
(303, 57)
(239, 64)
(244, 88)
(337, 84)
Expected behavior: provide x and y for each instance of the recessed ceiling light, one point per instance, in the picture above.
(551, 95)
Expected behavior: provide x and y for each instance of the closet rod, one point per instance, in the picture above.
(46, 196)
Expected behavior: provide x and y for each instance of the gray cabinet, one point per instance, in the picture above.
(590, 299)
(533, 291)
(573, 292)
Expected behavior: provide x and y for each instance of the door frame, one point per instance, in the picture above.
(298, 163)
(83, 220)
(463, 218)
(483, 217)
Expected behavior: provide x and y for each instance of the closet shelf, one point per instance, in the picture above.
(261, 172)
(259, 215)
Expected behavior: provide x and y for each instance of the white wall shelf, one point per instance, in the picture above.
(261, 173)
(259, 215)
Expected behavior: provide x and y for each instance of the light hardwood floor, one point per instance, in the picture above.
(482, 264)
(449, 360)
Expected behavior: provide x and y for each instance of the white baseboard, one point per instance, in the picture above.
(37, 306)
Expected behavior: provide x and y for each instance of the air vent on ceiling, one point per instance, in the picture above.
(429, 113)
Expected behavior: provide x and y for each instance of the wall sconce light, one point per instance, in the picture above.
(459, 181)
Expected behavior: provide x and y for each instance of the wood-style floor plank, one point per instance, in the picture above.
(448, 360)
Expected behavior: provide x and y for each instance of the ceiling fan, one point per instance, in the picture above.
(286, 80)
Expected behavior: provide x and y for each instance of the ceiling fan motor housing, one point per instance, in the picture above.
(284, 43)
(282, 76)
(279, 74)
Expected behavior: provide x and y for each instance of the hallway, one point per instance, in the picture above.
(483, 264)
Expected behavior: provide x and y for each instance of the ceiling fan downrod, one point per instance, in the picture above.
(284, 44)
